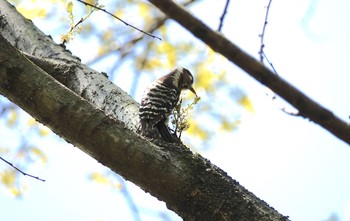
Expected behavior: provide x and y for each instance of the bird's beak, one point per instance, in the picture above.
(193, 91)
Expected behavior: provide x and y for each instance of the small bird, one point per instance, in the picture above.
(159, 99)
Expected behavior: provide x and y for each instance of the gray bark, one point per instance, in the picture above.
(66, 68)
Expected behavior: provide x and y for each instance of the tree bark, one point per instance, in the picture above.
(87, 110)
(66, 68)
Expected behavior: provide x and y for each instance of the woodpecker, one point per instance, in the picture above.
(159, 99)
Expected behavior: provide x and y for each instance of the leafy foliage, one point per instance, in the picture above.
(180, 116)
(74, 26)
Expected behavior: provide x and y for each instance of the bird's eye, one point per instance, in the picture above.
(185, 86)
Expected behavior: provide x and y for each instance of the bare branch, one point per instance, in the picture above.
(223, 15)
(307, 107)
(262, 45)
(262, 35)
(19, 170)
(125, 23)
(270, 63)
(127, 47)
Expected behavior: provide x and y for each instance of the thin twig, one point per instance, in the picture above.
(25, 174)
(223, 15)
(262, 45)
(279, 105)
(262, 56)
(126, 48)
(268, 61)
(125, 23)
(72, 28)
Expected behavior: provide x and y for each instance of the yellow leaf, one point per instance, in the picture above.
(44, 131)
(120, 13)
(205, 78)
(4, 150)
(163, 30)
(15, 191)
(32, 122)
(196, 131)
(144, 11)
(247, 104)
(92, 2)
(70, 7)
(170, 51)
(12, 119)
(99, 178)
(32, 12)
(39, 153)
(102, 50)
(229, 126)
(8, 177)
(153, 63)
(107, 36)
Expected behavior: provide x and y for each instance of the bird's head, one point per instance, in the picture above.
(183, 79)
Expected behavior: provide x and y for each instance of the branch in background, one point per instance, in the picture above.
(307, 107)
(223, 15)
(128, 47)
(25, 174)
(125, 23)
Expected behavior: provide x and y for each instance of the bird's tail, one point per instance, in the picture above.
(165, 133)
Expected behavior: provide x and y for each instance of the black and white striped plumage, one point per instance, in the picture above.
(159, 99)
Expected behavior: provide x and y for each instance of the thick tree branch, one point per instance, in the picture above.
(189, 184)
(306, 106)
(77, 110)
(66, 68)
